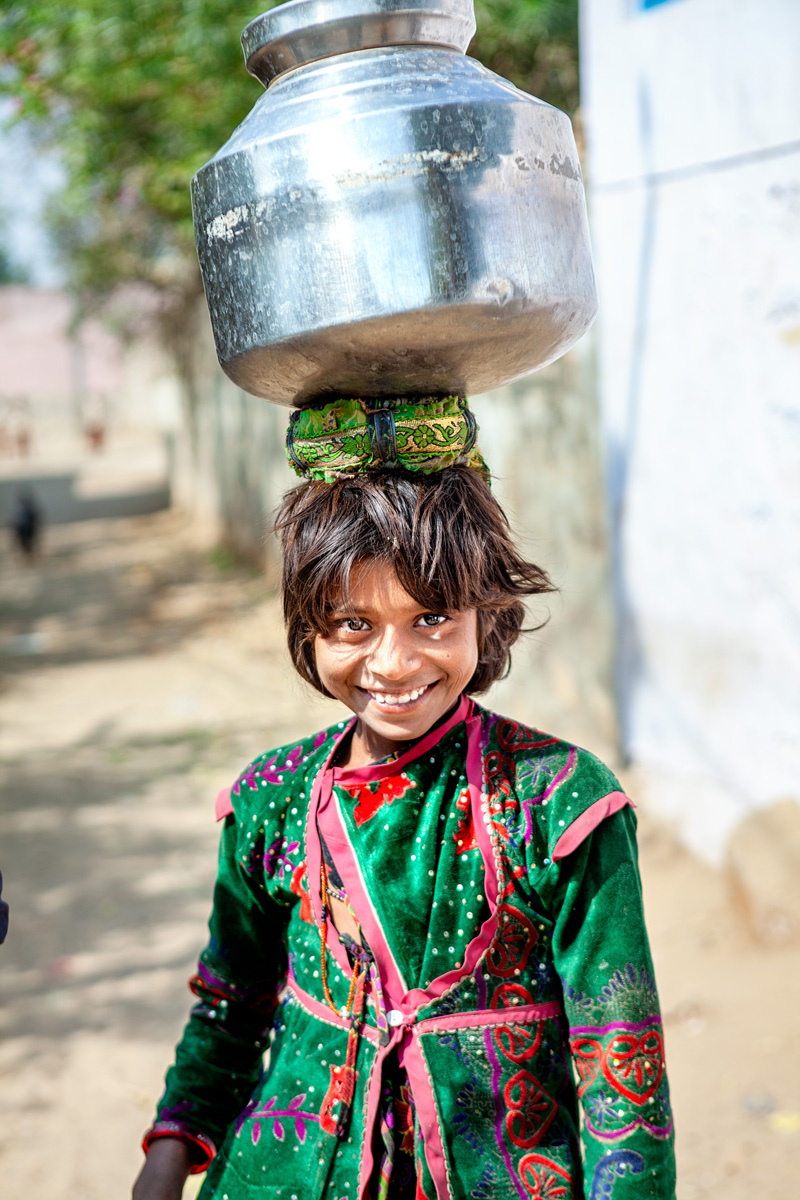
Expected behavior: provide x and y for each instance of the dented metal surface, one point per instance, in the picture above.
(392, 219)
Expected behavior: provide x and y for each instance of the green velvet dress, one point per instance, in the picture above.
(504, 1040)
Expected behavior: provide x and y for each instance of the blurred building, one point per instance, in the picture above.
(693, 125)
(47, 362)
(87, 413)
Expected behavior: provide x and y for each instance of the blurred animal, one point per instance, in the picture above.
(3, 913)
(26, 523)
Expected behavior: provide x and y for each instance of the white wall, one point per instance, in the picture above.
(693, 135)
(540, 438)
(693, 122)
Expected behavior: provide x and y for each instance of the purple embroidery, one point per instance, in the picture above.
(275, 858)
(270, 1113)
(564, 773)
(555, 782)
(499, 1108)
(628, 1026)
(499, 1113)
(244, 1115)
(269, 772)
(178, 1110)
(217, 983)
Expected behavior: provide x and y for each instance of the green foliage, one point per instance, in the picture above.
(534, 43)
(135, 96)
(138, 95)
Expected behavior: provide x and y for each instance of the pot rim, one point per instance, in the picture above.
(302, 31)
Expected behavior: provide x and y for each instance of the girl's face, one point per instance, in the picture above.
(398, 666)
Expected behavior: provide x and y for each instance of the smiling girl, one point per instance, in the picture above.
(431, 915)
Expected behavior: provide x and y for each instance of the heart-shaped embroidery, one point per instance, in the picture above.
(529, 1109)
(544, 1179)
(517, 1041)
(586, 1054)
(511, 736)
(513, 943)
(634, 1063)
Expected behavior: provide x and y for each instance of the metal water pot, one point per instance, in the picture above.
(391, 218)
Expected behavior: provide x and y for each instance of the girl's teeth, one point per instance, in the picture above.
(405, 698)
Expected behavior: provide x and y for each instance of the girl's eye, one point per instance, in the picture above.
(431, 620)
(351, 624)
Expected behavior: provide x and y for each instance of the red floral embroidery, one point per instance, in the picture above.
(543, 1179)
(586, 1054)
(299, 886)
(512, 736)
(516, 1041)
(632, 1062)
(511, 995)
(501, 774)
(529, 1109)
(513, 943)
(464, 836)
(370, 801)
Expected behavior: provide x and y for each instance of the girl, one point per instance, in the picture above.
(430, 915)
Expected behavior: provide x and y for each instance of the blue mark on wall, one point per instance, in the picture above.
(652, 3)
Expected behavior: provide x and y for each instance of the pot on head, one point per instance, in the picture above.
(391, 218)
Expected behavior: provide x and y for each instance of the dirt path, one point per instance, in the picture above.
(138, 676)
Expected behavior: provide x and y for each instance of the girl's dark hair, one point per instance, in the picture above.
(446, 537)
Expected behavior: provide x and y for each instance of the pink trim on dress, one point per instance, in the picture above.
(477, 947)
(480, 818)
(329, 823)
(413, 1061)
(372, 1101)
(323, 1013)
(325, 816)
(372, 771)
(224, 805)
(526, 1014)
(335, 833)
(321, 793)
(588, 821)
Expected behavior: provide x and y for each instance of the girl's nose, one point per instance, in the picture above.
(394, 655)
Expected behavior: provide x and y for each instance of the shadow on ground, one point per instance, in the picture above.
(91, 595)
(120, 841)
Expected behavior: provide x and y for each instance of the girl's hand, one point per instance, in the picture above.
(165, 1170)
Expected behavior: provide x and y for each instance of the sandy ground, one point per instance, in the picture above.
(139, 674)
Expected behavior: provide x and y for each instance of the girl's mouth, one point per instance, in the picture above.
(399, 700)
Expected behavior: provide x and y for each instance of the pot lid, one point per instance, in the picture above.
(301, 31)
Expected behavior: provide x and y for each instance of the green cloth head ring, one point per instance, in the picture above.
(351, 437)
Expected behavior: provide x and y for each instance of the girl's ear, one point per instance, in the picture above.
(487, 619)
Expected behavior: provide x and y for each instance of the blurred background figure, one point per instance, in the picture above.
(3, 913)
(26, 524)
(95, 422)
(16, 427)
(23, 427)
